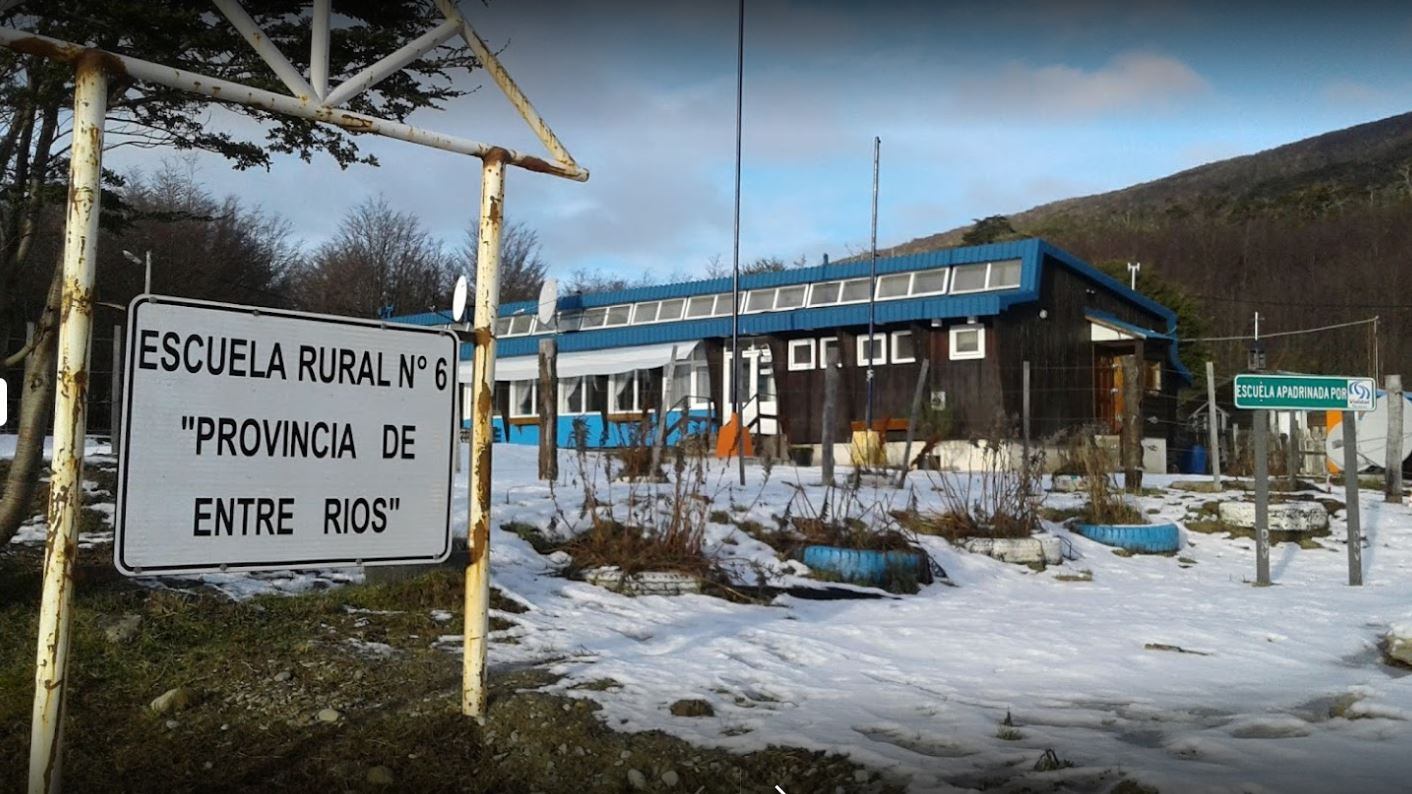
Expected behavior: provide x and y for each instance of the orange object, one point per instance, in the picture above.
(726, 440)
(1332, 419)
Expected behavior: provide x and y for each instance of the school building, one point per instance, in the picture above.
(977, 314)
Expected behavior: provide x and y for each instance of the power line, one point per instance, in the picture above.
(1301, 304)
(1368, 321)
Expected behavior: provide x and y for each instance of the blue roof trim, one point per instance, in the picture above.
(1136, 330)
(425, 318)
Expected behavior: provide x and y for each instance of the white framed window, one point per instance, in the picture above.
(581, 395)
(929, 282)
(904, 347)
(758, 300)
(520, 324)
(824, 293)
(670, 310)
(854, 291)
(872, 349)
(968, 278)
(723, 304)
(623, 393)
(790, 297)
(645, 312)
(829, 346)
(967, 341)
(593, 318)
(524, 398)
(701, 306)
(692, 380)
(618, 315)
(801, 354)
(897, 285)
(1004, 275)
(502, 326)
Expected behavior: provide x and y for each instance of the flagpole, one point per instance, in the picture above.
(872, 292)
(735, 251)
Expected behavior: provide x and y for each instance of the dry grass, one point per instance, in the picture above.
(995, 502)
(1105, 502)
(655, 525)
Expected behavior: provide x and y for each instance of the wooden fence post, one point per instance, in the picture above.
(1261, 460)
(830, 416)
(660, 436)
(1213, 425)
(115, 393)
(912, 421)
(1392, 481)
(548, 410)
(1350, 495)
(1132, 425)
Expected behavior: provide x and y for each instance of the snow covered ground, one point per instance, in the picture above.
(919, 685)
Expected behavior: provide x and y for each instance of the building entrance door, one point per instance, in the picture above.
(758, 399)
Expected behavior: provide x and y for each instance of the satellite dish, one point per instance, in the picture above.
(458, 299)
(1372, 436)
(548, 301)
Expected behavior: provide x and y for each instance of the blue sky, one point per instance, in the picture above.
(983, 108)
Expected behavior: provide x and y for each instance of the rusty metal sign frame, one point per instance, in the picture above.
(310, 97)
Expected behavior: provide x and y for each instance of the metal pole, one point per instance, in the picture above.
(872, 293)
(1262, 498)
(1350, 495)
(1214, 430)
(1392, 491)
(147, 275)
(735, 250)
(318, 51)
(65, 487)
(477, 608)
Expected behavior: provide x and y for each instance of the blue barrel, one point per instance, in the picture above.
(1195, 460)
(864, 566)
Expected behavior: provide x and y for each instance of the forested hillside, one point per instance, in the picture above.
(1313, 233)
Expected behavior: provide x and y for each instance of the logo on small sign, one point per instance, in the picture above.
(1362, 394)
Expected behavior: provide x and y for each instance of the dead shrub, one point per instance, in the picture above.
(998, 501)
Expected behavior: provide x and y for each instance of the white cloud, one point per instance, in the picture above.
(1130, 81)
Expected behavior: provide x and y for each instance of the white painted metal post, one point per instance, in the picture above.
(1214, 430)
(318, 49)
(477, 605)
(71, 398)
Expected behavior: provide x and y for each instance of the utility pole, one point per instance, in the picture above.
(735, 250)
(872, 295)
(1392, 490)
(1214, 431)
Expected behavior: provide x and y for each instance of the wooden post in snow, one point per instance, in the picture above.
(830, 417)
(912, 421)
(1132, 425)
(1213, 427)
(1350, 495)
(115, 393)
(1261, 455)
(1392, 482)
(548, 410)
(659, 439)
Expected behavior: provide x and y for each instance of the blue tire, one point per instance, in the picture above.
(863, 566)
(1144, 538)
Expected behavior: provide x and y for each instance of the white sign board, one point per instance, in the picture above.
(260, 439)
